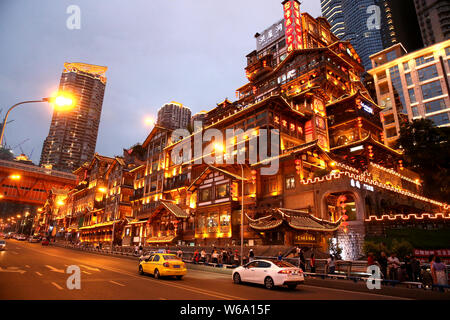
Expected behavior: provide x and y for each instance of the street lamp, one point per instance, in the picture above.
(61, 101)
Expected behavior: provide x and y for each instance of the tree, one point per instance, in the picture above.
(427, 151)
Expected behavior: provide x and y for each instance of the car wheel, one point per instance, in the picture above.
(268, 283)
(237, 278)
(292, 286)
(179, 277)
(141, 270)
(156, 274)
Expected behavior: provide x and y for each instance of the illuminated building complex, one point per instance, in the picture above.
(24, 187)
(412, 85)
(73, 134)
(434, 20)
(335, 177)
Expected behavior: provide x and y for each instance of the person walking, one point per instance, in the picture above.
(408, 267)
(393, 266)
(312, 263)
(224, 256)
(141, 249)
(382, 261)
(331, 264)
(438, 270)
(136, 250)
(251, 255)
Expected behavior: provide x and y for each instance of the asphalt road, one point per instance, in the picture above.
(31, 271)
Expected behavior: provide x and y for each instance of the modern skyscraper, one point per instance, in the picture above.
(412, 85)
(332, 10)
(434, 20)
(373, 25)
(73, 134)
(174, 115)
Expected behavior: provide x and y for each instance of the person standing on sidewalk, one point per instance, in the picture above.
(393, 265)
(251, 255)
(280, 256)
(331, 264)
(438, 270)
(302, 260)
(383, 264)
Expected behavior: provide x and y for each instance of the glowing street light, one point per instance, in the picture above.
(149, 121)
(61, 101)
(102, 189)
(15, 177)
(19, 216)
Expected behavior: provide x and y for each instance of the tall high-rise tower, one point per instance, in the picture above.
(373, 25)
(73, 134)
(174, 115)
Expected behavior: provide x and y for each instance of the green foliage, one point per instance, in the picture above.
(427, 150)
(402, 248)
(418, 238)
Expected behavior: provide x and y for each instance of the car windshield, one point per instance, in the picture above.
(282, 264)
(170, 257)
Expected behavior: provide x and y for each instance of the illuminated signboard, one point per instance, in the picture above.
(270, 35)
(356, 148)
(356, 184)
(366, 107)
(293, 25)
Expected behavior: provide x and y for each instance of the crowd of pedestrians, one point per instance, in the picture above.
(409, 269)
(220, 256)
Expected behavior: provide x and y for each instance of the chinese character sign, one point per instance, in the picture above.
(293, 25)
(270, 35)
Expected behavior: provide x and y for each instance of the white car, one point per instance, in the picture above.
(2, 245)
(270, 273)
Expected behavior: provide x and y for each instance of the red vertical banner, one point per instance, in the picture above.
(293, 23)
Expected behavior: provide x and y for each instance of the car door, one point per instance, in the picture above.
(146, 264)
(154, 264)
(248, 272)
(261, 271)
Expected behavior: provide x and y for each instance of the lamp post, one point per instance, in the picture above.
(60, 101)
(242, 216)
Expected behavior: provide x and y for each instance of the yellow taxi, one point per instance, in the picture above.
(162, 265)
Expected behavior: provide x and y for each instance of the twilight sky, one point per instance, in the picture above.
(157, 51)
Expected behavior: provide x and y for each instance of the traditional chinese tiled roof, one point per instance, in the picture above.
(174, 209)
(296, 219)
(266, 224)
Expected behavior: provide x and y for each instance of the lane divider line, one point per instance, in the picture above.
(86, 272)
(197, 290)
(39, 274)
(57, 285)
(119, 284)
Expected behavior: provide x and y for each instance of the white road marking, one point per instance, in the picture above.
(86, 272)
(27, 266)
(54, 269)
(356, 292)
(57, 285)
(39, 274)
(89, 268)
(12, 269)
(162, 299)
(14, 252)
(119, 284)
